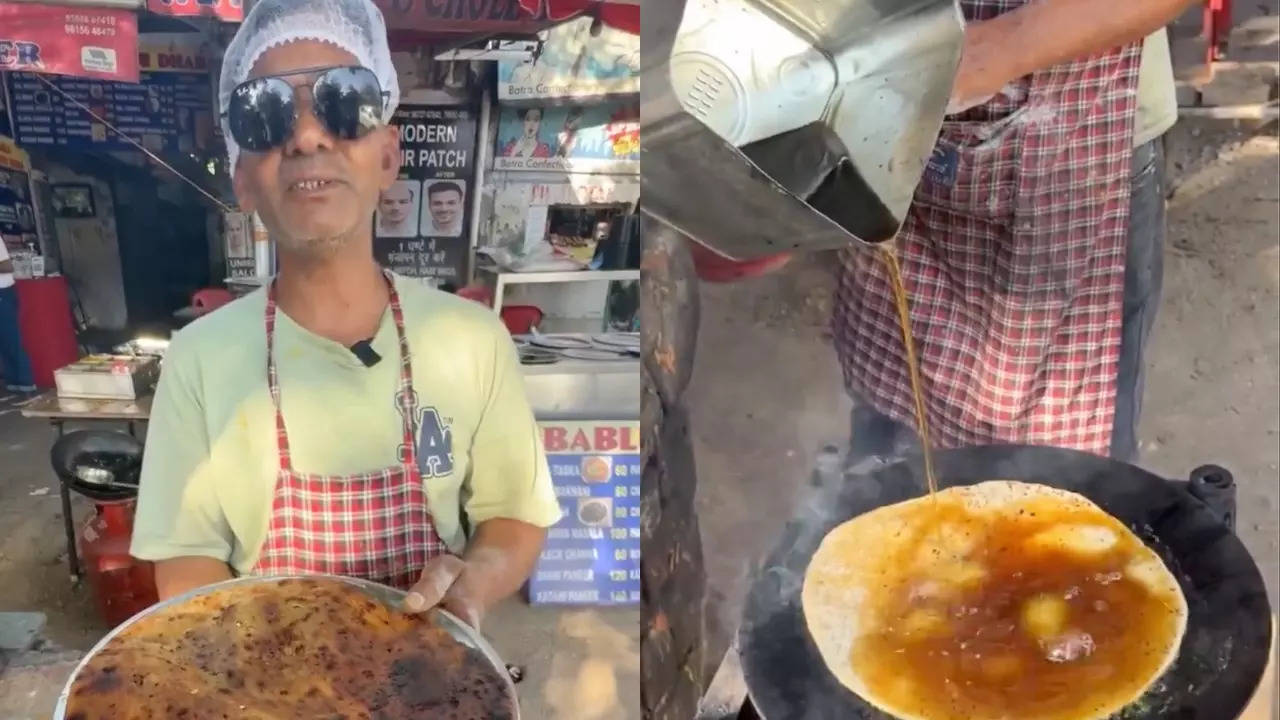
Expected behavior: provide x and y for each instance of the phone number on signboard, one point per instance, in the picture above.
(89, 30)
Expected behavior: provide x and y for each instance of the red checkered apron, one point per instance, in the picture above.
(373, 525)
(1013, 257)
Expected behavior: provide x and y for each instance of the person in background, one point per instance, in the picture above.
(341, 420)
(1032, 253)
(14, 363)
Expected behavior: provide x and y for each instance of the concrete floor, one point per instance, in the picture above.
(579, 664)
(767, 393)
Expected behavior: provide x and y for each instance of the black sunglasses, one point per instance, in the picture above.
(348, 102)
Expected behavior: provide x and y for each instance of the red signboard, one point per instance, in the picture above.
(621, 14)
(226, 10)
(459, 16)
(86, 42)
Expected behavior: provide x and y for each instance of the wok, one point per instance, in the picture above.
(1223, 653)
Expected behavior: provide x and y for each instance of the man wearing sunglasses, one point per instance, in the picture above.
(341, 420)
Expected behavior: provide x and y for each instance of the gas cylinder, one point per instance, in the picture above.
(122, 585)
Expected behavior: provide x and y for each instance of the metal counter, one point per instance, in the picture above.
(584, 390)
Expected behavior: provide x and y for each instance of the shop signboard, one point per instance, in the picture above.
(574, 64)
(592, 555)
(17, 213)
(422, 227)
(174, 53)
(169, 111)
(99, 43)
(459, 16)
(621, 14)
(601, 138)
(225, 10)
(238, 229)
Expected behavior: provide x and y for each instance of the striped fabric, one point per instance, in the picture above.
(1013, 257)
(373, 525)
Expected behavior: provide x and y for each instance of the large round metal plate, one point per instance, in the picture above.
(1228, 636)
(388, 596)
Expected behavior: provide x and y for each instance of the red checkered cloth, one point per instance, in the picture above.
(1013, 256)
(373, 525)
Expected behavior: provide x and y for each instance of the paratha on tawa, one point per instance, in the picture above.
(297, 648)
(950, 609)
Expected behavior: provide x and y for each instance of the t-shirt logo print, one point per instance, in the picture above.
(435, 445)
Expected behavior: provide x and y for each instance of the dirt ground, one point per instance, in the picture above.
(767, 393)
(579, 664)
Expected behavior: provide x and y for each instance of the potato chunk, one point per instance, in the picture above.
(1074, 539)
(1044, 616)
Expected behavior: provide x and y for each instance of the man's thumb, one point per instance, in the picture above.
(436, 579)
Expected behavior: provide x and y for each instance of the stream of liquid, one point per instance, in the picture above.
(890, 255)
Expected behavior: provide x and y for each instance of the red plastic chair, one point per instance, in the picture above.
(207, 300)
(520, 319)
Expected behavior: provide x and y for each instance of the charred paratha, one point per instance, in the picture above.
(296, 648)
(996, 601)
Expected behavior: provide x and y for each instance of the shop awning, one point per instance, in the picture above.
(224, 10)
(498, 18)
(621, 14)
(91, 42)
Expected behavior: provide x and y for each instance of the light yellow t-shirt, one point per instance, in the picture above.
(210, 467)
(1157, 93)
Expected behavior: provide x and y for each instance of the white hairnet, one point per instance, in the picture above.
(353, 25)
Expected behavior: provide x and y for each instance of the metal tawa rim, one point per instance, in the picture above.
(384, 594)
(1223, 654)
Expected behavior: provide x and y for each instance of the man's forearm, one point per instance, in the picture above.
(1044, 33)
(503, 552)
(181, 574)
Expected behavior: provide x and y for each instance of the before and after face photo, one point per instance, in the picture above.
(639, 360)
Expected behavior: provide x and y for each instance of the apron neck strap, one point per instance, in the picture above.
(406, 400)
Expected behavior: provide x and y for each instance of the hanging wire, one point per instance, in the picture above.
(135, 143)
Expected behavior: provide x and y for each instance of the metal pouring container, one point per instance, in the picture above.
(775, 126)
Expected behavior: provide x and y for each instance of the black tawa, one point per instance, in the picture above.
(1223, 653)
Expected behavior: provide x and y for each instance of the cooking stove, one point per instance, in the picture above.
(727, 696)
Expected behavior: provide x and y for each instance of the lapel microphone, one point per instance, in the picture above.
(364, 352)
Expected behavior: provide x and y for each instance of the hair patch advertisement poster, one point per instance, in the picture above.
(422, 224)
(596, 139)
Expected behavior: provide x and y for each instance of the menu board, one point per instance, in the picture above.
(166, 112)
(592, 556)
(422, 224)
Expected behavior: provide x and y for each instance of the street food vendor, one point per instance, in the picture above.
(1032, 251)
(341, 420)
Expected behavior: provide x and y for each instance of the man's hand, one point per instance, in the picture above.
(446, 583)
(176, 576)
(499, 558)
(981, 73)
